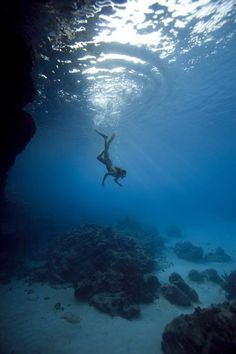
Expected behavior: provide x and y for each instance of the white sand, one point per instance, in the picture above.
(30, 324)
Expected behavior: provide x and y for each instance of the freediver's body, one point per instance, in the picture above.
(104, 158)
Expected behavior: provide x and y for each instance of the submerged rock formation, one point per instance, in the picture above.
(208, 331)
(17, 126)
(178, 292)
(178, 281)
(111, 272)
(174, 295)
(208, 274)
(218, 255)
(229, 285)
(190, 252)
(149, 237)
(186, 250)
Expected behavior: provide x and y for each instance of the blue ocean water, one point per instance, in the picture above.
(162, 77)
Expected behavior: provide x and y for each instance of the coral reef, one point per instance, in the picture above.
(111, 272)
(188, 251)
(178, 291)
(210, 330)
(149, 237)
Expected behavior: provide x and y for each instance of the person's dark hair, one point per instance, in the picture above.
(120, 171)
(124, 173)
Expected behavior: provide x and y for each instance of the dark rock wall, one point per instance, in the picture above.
(16, 126)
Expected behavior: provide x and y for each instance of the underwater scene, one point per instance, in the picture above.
(118, 177)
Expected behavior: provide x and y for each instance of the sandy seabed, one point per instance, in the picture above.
(30, 324)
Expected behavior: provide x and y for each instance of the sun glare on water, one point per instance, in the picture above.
(116, 52)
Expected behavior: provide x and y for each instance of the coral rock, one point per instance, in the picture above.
(174, 295)
(178, 281)
(211, 330)
(109, 270)
(229, 285)
(188, 251)
(218, 256)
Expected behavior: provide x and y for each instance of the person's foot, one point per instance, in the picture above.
(103, 135)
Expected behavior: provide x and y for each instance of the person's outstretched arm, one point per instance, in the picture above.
(104, 178)
(116, 180)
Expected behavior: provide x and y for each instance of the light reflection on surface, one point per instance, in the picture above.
(118, 52)
(120, 56)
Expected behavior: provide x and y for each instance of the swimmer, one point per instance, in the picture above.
(104, 158)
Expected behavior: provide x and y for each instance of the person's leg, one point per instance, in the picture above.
(105, 137)
(101, 158)
(104, 155)
(108, 143)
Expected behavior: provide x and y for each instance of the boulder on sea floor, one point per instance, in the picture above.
(110, 271)
(178, 281)
(208, 331)
(175, 295)
(218, 255)
(229, 285)
(195, 275)
(212, 275)
(189, 252)
(206, 275)
(178, 292)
